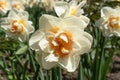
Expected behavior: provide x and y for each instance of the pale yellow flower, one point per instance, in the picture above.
(64, 9)
(109, 22)
(48, 4)
(60, 42)
(17, 25)
(4, 6)
(17, 4)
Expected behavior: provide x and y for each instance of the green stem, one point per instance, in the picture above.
(31, 59)
(41, 73)
(59, 73)
(80, 72)
(102, 57)
(54, 75)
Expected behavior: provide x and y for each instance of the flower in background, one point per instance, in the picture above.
(17, 25)
(64, 9)
(113, 0)
(4, 6)
(109, 22)
(60, 42)
(48, 4)
(17, 5)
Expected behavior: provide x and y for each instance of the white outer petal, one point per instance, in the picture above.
(44, 44)
(51, 58)
(60, 8)
(69, 63)
(48, 21)
(85, 19)
(84, 41)
(23, 15)
(74, 22)
(41, 58)
(29, 27)
(88, 41)
(35, 39)
(106, 11)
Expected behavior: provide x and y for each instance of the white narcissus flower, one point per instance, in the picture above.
(4, 6)
(64, 9)
(60, 42)
(17, 25)
(109, 22)
(17, 5)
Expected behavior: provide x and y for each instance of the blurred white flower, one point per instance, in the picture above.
(4, 6)
(17, 5)
(64, 9)
(109, 22)
(17, 25)
(113, 0)
(48, 4)
(60, 42)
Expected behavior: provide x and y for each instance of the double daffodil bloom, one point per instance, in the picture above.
(4, 6)
(64, 9)
(17, 25)
(60, 42)
(109, 22)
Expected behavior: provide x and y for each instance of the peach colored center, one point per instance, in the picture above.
(2, 4)
(62, 47)
(17, 26)
(17, 6)
(114, 22)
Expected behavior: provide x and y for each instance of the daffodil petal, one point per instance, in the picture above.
(106, 11)
(74, 22)
(47, 21)
(34, 40)
(70, 63)
(45, 63)
(60, 8)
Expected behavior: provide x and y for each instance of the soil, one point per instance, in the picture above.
(115, 72)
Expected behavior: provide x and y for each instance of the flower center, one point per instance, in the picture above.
(73, 11)
(17, 26)
(61, 42)
(17, 6)
(114, 22)
(3, 4)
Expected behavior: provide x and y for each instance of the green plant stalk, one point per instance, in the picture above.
(106, 66)
(59, 72)
(102, 57)
(31, 59)
(19, 61)
(41, 73)
(47, 75)
(54, 74)
(13, 69)
(80, 72)
(36, 73)
(25, 70)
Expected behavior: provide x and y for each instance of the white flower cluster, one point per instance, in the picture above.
(59, 41)
(109, 23)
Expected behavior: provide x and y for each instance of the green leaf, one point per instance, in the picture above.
(21, 50)
(1, 53)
